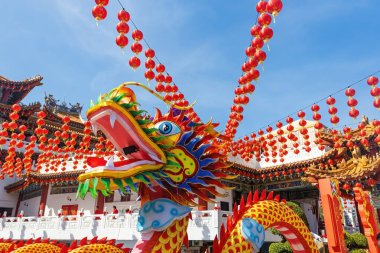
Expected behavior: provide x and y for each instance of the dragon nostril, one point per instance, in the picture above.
(130, 149)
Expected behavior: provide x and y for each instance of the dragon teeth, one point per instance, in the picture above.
(110, 163)
(112, 119)
(94, 128)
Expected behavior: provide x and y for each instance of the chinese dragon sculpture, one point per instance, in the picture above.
(168, 159)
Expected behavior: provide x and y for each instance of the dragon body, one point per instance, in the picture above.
(46, 246)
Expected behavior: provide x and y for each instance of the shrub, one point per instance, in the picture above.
(358, 251)
(350, 243)
(279, 247)
(298, 210)
(360, 240)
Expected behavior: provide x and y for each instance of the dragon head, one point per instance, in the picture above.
(168, 153)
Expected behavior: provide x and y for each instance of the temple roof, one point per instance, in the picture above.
(12, 92)
(63, 108)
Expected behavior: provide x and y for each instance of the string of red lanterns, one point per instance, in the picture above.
(261, 34)
(165, 84)
(338, 139)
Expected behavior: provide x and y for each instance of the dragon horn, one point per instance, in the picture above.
(158, 95)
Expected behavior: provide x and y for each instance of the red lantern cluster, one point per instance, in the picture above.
(136, 48)
(352, 102)
(149, 65)
(375, 91)
(99, 11)
(282, 140)
(376, 124)
(13, 164)
(261, 33)
(122, 28)
(364, 141)
(332, 110)
(348, 136)
(317, 126)
(303, 130)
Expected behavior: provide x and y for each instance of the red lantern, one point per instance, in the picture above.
(149, 75)
(134, 62)
(123, 15)
(372, 80)
(264, 19)
(261, 6)
(274, 7)
(122, 27)
(137, 35)
(371, 182)
(160, 68)
(261, 56)
(136, 48)
(102, 2)
(149, 53)
(255, 30)
(257, 43)
(99, 12)
(121, 40)
(266, 34)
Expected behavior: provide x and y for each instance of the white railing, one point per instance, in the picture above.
(123, 227)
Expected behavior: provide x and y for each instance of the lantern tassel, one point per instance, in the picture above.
(268, 47)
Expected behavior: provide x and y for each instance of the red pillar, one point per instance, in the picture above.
(44, 194)
(329, 190)
(100, 202)
(367, 216)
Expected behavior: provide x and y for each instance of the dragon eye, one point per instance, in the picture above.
(167, 128)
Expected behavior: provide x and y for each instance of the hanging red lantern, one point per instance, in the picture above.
(371, 182)
(352, 102)
(332, 110)
(266, 34)
(134, 62)
(257, 43)
(149, 75)
(255, 30)
(261, 6)
(264, 19)
(373, 81)
(123, 15)
(99, 12)
(274, 7)
(137, 35)
(122, 27)
(121, 40)
(136, 48)
(261, 56)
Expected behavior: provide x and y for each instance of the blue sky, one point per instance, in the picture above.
(318, 47)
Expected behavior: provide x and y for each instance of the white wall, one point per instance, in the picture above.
(132, 205)
(8, 200)
(30, 206)
(309, 207)
(56, 201)
(227, 198)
